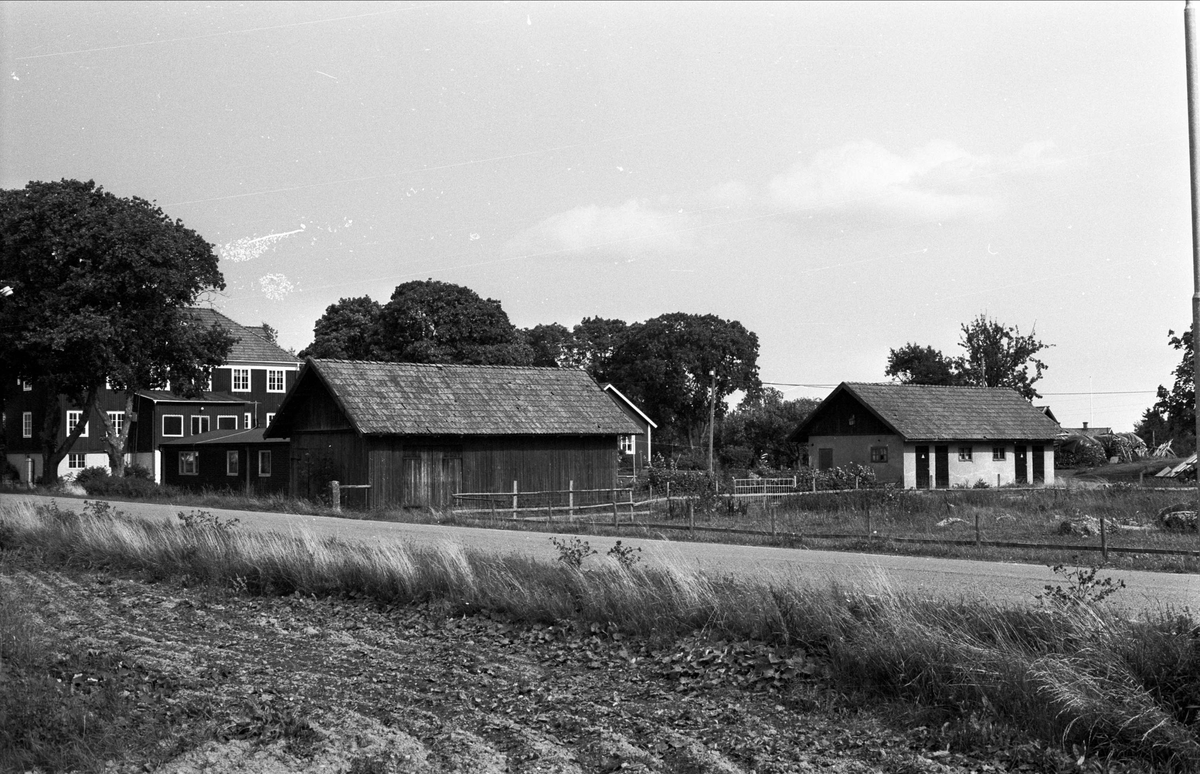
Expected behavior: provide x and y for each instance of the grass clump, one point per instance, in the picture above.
(1065, 670)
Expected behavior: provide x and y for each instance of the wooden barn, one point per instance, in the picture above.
(415, 434)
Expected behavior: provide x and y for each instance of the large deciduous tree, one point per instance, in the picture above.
(349, 330)
(438, 322)
(103, 287)
(1173, 415)
(995, 355)
(755, 433)
(667, 364)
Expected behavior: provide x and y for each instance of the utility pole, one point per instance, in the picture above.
(712, 415)
(1190, 42)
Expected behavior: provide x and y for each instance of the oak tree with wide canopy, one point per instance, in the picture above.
(666, 365)
(104, 284)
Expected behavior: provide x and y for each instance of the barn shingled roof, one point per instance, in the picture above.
(425, 399)
(936, 413)
(250, 345)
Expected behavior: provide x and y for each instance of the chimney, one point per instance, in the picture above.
(1085, 425)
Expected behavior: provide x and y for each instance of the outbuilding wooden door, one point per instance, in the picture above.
(922, 467)
(941, 466)
(431, 474)
(1022, 465)
(1039, 464)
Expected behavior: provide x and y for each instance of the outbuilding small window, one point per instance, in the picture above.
(879, 454)
(187, 463)
(965, 453)
(231, 463)
(998, 453)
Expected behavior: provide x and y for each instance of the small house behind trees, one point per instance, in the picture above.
(415, 434)
(925, 436)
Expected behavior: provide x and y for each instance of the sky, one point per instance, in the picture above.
(840, 178)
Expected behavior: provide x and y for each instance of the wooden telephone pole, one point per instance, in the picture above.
(1190, 42)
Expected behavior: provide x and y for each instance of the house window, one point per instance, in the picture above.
(270, 416)
(26, 386)
(26, 424)
(241, 380)
(627, 443)
(117, 420)
(231, 463)
(879, 453)
(964, 453)
(275, 380)
(200, 424)
(73, 419)
(997, 452)
(76, 461)
(172, 425)
(188, 463)
(227, 422)
(249, 421)
(264, 463)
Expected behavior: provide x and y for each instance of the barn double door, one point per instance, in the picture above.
(431, 475)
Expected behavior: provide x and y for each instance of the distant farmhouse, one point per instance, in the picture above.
(243, 393)
(416, 434)
(922, 436)
(635, 449)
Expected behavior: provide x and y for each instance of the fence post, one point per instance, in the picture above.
(868, 524)
(616, 519)
(692, 518)
(773, 524)
(1103, 540)
(814, 482)
(977, 535)
(631, 505)
(335, 495)
(571, 498)
(997, 480)
(670, 510)
(514, 501)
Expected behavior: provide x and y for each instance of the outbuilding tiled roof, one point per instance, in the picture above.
(424, 399)
(227, 436)
(250, 345)
(922, 412)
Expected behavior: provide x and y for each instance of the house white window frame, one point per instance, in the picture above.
(264, 463)
(248, 418)
(999, 454)
(189, 463)
(276, 380)
(117, 420)
(74, 417)
(76, 461)
(627, 443)
(26, 386)
(239, 376)
(26, 424)
(165, 417)
(227, 417)
(231, 463)
(199, 420)
(966, 454)
(270, 416)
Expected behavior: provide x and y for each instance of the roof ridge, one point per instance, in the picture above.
(444, 365)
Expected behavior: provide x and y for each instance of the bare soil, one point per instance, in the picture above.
(268, 684)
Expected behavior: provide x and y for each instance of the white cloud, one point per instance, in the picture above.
(938, 180)
(632, 227)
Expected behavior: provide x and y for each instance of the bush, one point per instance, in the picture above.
(88, 475)
(138, 471)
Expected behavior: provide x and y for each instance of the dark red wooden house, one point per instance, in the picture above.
(416, 434)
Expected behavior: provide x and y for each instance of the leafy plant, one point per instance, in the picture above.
(206, 520)
(627, 557)
(1083, 588)
(572, 552)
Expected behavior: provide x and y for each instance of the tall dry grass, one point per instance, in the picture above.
(1073, 674)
